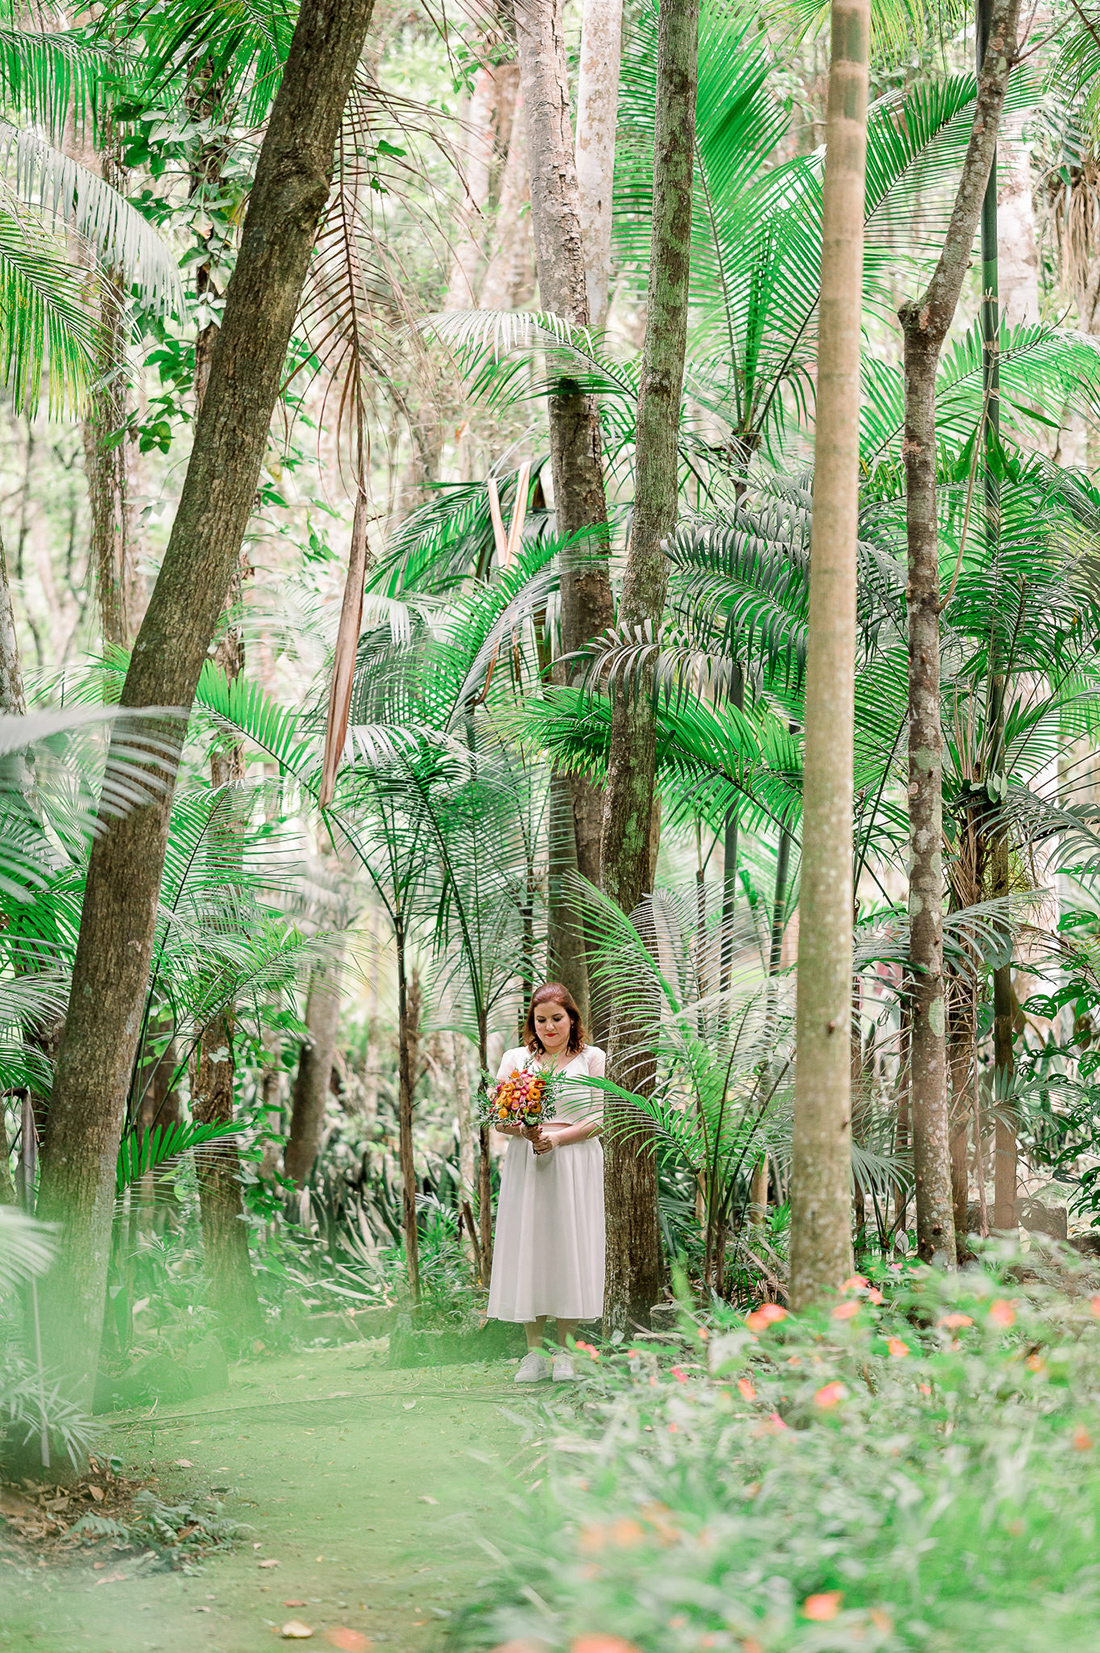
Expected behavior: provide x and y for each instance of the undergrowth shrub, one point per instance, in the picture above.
(916, 1468)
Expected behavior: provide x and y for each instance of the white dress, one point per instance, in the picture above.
(548, 1248)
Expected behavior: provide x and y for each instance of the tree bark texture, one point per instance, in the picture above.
(597, 120)
(576, 451)
(633, 1240)
(476, 141)
(821, 1225)
(313, 1080)
(962, 1044)
(111, 969)
(510, 278)
(226, 1258)
(408, 1069)
(925, 323)
(13, 701)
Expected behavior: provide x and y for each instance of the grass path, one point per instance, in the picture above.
(363, 1483)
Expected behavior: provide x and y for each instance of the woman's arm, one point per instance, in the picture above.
(563, 1134)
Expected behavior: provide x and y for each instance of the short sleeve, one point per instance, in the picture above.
(597, 1062)
(510, 1062)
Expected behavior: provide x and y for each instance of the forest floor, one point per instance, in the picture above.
(366, 1485)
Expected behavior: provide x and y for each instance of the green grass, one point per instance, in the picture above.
(326, 1455)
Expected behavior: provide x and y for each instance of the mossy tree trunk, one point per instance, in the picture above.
(633, 1236)
(111, 969)
(925, 324)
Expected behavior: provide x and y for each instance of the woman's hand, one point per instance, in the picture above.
(541, 1143)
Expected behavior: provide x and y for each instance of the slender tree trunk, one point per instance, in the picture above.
(576, 454)
(925, 323)
(408, 1010)
(901, 1132)
(13, 702)
(111, 969)
(821, 1225)
(313, 1081)
(633, 1237)
(218, 1170)
(597, 120)
(509, 280)
(477, 158)
(962, 1035)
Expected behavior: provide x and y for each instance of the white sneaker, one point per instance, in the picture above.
(533, 1368)
(563, 1370)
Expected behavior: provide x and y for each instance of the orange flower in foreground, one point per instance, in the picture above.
(746, 1388)
(763, 1317)
(897, 1348)
(951, 1321)
(874, 1295)
(845, 1311)
(854, 1283)
(830, 1394)
(601, 1643)
(1094, 1305)
(823, 1607)
(1002, 1313)
(1082, 1440)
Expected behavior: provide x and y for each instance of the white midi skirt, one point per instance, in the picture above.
(548, 1248)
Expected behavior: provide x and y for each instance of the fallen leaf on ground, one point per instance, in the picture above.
(183, 1463)
(111, 1578)
(295, 1631)
(97, 1494)
(293, 1603)
(408, 1405)
(270, 1563)
(349, 1641)
(426, 1498)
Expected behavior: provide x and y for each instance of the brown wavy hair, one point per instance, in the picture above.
(552, 992)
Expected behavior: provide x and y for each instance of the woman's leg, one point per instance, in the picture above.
(567, 1331)
(536, 1332)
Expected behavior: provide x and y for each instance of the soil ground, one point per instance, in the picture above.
(368, 1486)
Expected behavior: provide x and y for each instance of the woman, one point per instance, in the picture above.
(548, 1252)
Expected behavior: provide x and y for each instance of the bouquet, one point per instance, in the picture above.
(522, 1098)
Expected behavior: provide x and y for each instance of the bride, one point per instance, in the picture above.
(548, 1251)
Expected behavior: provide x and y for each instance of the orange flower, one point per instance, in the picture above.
(1082, 1440)
(1002, 1313)
(746, 1388)
(766, 1315)
(854, 1283)
(896, 1347)
(874, 1295)
(823, 1607)
(1094, 1305)
(951, 1321)
(845, 1311)
(925, 1388)
(601, 1643)
(830, 1394)
(681, 1377)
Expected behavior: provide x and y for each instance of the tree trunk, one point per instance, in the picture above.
(226, 1257)
(576, 453)
(313, 1080)
(821, 1223)
(408, 1063)
(565, 955)
(597, 120)
(477, 158)
(925, 322)
(13, 701)
(962, 1035)
(111, 969)
(510, 279)
(633, 1237)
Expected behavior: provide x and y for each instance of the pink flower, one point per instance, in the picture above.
(823, 1607)
(681, 1377)
(746, 1388)
(766, 1315)
(845, 1311)
(952, 1321)
(897, 1348)
(1002, 1313)
(830, 1394)
(854, 1284)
